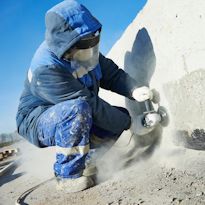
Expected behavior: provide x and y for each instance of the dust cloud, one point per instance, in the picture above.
(37, 162)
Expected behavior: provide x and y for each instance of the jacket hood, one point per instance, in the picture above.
(67, 23)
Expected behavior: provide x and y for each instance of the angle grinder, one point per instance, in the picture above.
(152, 118)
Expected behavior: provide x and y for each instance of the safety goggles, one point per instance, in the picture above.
(88, 42)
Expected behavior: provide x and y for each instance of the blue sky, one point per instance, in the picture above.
(22, 30)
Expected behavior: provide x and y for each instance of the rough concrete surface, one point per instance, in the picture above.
(173, 175)
(188, 91)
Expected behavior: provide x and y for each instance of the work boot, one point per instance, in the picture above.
(90, 165)
(74, 185)
(90, 170)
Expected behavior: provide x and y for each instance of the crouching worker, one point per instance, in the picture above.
(60, 105)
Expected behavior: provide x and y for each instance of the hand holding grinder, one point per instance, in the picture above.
(151, 118)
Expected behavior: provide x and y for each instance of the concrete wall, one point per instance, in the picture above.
(165, 47)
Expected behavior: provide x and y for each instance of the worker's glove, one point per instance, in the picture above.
(142, 93)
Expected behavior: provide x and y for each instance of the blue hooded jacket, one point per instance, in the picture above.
(50, 79)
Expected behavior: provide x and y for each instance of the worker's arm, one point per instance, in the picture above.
(54, 85)
(116, 79)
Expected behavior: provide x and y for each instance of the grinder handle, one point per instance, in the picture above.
(147, 105)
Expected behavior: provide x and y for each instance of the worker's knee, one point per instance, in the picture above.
(74, 108)
(75, 128)
(82, 107)
(66, 119)
(81, 112)
(78, 117)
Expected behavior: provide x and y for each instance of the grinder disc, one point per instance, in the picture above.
(164, 116)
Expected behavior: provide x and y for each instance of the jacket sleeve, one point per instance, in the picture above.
(55, 85)
(116, 79)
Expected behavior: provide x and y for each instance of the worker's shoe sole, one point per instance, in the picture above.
(74, 185)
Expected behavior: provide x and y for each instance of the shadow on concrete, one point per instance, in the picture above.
(10, 176)
(140, 63)
(195, 140)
